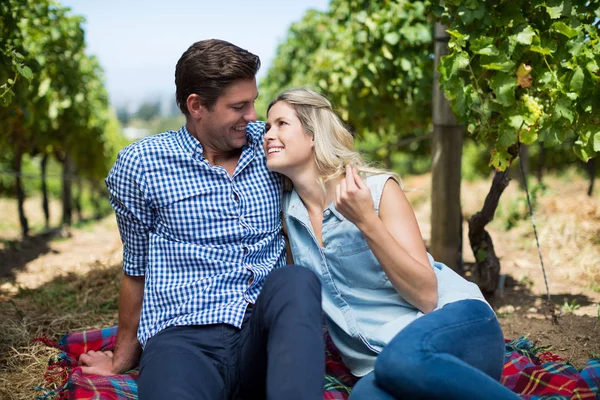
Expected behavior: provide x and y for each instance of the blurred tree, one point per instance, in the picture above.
(123, 115)
(61, 107)
(373, 60)
(148, 110)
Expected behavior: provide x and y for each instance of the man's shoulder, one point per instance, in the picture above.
(149, 144)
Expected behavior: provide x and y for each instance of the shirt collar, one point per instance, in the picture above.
(191, 145)
(188, 142)
(297, 209)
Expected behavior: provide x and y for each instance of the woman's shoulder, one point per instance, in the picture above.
(376, 183)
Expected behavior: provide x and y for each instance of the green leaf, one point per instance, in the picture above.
(25, 71)
(457, 34)
(507, 136)
(451, 64)
(466, 15)
(556, 10)
(7, 98)
(592, 66)
(542, 50)
(500, 159)
(562, 109)
(504, 86)
(472, 4)
(517, 122)
(563, 28)
(596, 142)
(575, 46)
(497, 63)
(525, 36)
(392, 38)
(577, 80)
(528, 136)
(485, 46)
(581, 152)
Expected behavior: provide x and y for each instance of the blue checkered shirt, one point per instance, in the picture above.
(204, 241)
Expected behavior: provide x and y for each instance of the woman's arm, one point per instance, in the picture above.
(393, 236)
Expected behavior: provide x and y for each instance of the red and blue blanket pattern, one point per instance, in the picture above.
(531, 372)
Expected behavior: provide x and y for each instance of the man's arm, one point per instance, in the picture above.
(127, 349)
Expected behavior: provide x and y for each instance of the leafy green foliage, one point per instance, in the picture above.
(372, 59)
(52, 92)
(524, 72)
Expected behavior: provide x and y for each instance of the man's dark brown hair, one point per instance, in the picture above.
(208, 67)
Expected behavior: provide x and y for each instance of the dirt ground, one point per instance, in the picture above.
(568, 228)
(83, 262)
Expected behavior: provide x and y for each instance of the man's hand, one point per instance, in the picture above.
(353, 199)
(97, 362)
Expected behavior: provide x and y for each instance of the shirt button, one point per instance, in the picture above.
(241, 218)
(245, 249)
(326, 213)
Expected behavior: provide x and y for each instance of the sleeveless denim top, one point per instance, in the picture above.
(363, 310)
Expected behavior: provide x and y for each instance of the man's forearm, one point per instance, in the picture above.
(128, 349)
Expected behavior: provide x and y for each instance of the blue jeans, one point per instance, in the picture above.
(278, 354)
(456, 352)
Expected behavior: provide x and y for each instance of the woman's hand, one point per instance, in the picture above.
(353, 199)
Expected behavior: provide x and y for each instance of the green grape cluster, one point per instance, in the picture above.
(532, 104)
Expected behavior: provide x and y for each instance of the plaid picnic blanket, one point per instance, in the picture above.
(533, 372)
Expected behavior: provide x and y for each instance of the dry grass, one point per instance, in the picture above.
(67, 303)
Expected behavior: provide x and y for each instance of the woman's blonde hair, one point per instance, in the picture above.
(334, 144)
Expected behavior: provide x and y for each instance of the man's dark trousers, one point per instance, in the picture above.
(278, 354)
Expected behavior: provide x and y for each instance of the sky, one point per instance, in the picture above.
(138, 42)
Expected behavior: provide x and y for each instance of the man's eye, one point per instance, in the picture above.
(238, 108)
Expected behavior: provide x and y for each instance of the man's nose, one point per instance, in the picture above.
(251, 115)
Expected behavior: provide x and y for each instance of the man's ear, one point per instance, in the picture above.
(195, 107)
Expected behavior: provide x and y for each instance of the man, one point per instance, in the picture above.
(199, 218)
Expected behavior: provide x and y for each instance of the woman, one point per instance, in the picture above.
(409, 326)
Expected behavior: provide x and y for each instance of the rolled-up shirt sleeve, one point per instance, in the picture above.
(129, 196)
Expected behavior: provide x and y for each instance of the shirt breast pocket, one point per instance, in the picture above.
(359, 267)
